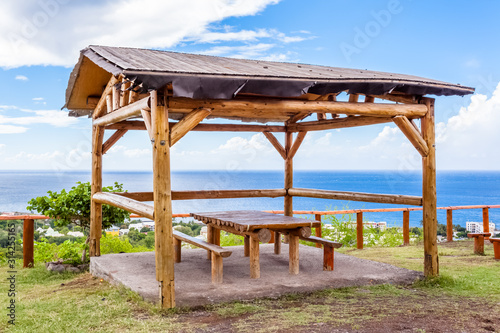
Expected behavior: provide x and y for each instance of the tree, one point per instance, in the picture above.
(73, 207)
(145, 229)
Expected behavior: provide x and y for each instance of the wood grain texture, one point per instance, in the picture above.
(412, 134)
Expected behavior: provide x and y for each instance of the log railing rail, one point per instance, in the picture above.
(28, 229)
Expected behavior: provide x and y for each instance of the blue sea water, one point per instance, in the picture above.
(454, 188)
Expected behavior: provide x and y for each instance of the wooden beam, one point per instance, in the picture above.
(298, 117)
(412, 134)
(298, 141)
(139, 125)
(276, 144)
(115, 94)
(122, 202)
(96, 186)
(338, 123)
(28, 243)
(146, 115)
(124, 113)
(109, 104)
(356, 196)
(113, 139)
(369, 99)
(353, 98)
(208, 194)
(187, 123)
(406, 227)
(101, 105)
(359, 230)
(288, 203)
(431, 260)
(400, 98)
(254, 108)
(124, 92)
(164, 251)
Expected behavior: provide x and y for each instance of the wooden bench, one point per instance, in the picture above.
(479, 241)
(496, 247)
(328, 250)
(217, 252)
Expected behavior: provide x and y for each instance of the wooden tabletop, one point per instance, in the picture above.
(478, 234)
(248, 220)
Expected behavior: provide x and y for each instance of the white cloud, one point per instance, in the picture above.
(9, 129)
(49, 117)
(21, 78)
(470, 140)
(130, 152)
(51, 32)
(37, 99)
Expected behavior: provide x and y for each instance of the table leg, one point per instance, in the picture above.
(177, 250)
(216, 236)
(210, 240)
(479, 245)
(328, 256)
(293, 248)
(254, 258)
(246, 240)
(277, 242)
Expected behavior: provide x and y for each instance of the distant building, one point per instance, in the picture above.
(475, 227)
(51, 233)
(123, 232)
(75, 234)
(136, 226)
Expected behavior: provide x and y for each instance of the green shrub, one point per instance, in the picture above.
(115, 244)
(44, 251)
(70, 252)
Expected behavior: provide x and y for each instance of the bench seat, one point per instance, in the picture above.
(479, 241)
(496, 247)
(328, 250)
(217, 252)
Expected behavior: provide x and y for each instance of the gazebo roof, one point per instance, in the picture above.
(202, 76)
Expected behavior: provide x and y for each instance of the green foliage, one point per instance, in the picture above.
(228, 239)
(195, 228)
(441, 229)
(70, 251)
(44, 251)
(73, 206)
(185, 230)
(135, 236)
(145, 229)
(115, 244)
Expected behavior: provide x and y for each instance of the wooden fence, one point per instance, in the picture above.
(29, 224)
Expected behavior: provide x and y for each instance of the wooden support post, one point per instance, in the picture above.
(288, 174)
(164, 252)
(271, 241)
(246, 244)
(177, 249)
(277, 242)
(479, 245)
(28, 243)
(190, 121)
(406, 227)
(328, 258)
(217, 273)
(359, 230)
(317, 217)
(276, 144)
(116, 98)
(486, 221)
(449, 225)
(216, 236)
(96, 186)
(254, 258)
(431, 260)
(293, 248)
(112, 140)
(210, 239)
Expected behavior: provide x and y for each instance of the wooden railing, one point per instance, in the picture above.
(29, 228)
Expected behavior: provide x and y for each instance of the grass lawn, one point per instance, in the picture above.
(465, 298)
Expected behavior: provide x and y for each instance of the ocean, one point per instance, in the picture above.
(454, 188)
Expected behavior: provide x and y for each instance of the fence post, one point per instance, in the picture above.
(486, 221)
(449, 225)
(317, 217)
(406, 227)
(28, 242)
(359, 227)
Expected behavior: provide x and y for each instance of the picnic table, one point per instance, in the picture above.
(257, 226)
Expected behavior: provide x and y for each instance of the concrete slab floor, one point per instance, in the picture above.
(193, 286)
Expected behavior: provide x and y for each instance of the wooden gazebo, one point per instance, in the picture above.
(169, 94)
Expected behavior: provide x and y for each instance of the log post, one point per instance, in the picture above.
(277, 242)
(217, 273)
(359, 230)
(293, 247)
(216, 236)
(486, 221)
(28, 243)
(164, 252)
(328, 258)
(177, 249)
(317, 217)
(246, 246)
(431, 260)
(210, 239)
(288, 206)
(96, 186)
(449, 225)
(254, 258)
(406, 227)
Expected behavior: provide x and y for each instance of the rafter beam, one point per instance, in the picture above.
(101, 104)
(412, 134)
(139, 125)
(187, 123)
(276, 144)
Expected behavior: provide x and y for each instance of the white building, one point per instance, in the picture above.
(123, 232)
(137, 226)
(76, 234)
(475, 227)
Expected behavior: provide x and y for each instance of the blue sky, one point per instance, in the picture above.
(449, 41)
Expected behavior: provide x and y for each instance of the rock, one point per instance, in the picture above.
(83, 267)
(72, 269)
(56, 268)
